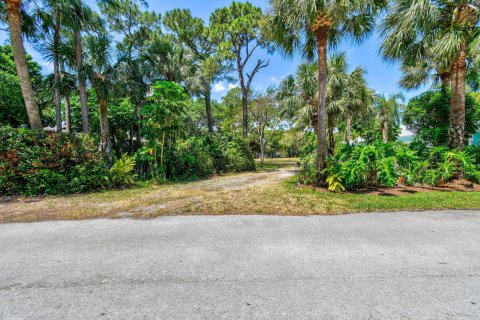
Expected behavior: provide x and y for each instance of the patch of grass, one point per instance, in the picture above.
(222, 195)
(275, 164)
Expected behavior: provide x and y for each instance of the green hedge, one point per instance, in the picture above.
(35, 163)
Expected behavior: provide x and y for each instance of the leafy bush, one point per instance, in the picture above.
(191, 160)
(34, 163)
(389, 164)
(121, 172)
(427, 116)
(238, 156)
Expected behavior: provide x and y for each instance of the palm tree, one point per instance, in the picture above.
(389, 110)
(305, 25)
(51, 17)
(100, 72)
(441, 35)
(298, 96)
(357, 99)
(13, 8)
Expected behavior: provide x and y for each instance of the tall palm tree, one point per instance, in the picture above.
(389, 110)
(13, 8)
(442, 33)
(307, 26)
(100, 72)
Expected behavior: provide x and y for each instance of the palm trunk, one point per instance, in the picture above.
(321, 35)
(384, 127)
(56, 75)
(68, 114)
(457, 102)
(68, 105)
(208, 107)
(15, 27)
(105, 146)
(385, 131)
(331, 137)
(349, 128)
(444, 81)
(82, 86)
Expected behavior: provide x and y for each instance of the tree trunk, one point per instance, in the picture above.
(245, 112)
(82, 86)
(444, 80)
(68, 105)
(262, 147)
(384, 128)
(208, 107)
(349, 128)
(331, 137)
(321, 35)
(105, 146)
(68, 114)
(138, 131)
(244, 98)
(457, 102)
(56, 75)
(15, 27)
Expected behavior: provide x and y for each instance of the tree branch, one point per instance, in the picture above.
(260, 65)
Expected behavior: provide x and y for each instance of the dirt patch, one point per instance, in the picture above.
(455, 185)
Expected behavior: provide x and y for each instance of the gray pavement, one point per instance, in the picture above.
(368, 266)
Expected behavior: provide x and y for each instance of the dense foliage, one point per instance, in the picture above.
(427, 116)
(49, 163)
(392, 164)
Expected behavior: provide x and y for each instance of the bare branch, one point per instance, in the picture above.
(260, 65)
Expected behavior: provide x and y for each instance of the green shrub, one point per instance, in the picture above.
(191, 160)
(238, 156)
(387, 164)
(34, 163)
(121, 172)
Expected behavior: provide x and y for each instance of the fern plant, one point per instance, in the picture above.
(121, 172)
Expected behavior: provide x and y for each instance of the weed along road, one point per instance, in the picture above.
(410, 265)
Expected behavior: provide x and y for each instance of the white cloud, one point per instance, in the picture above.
(218, 87)
(274, 79)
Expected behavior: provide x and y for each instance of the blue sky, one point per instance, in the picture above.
(382, 76)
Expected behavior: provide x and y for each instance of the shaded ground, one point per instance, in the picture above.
(270, 190)
(411, 265)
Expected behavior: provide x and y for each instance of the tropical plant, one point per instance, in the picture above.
(121, 171)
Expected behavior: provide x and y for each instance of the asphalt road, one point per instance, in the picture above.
(368, 266)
